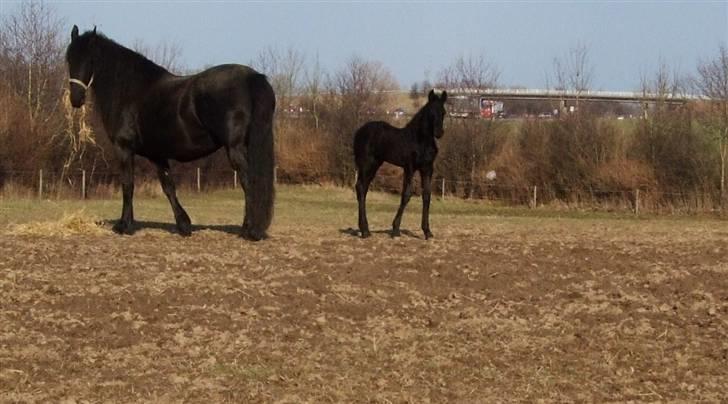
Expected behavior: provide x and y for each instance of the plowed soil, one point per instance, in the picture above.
(495, 308)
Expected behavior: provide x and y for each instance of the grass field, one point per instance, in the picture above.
(504, 304)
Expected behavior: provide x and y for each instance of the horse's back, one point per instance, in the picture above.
(381, 141)
(365, 136)
(225, 95)
(188, 117)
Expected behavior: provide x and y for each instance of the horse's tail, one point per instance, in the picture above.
(260, 158)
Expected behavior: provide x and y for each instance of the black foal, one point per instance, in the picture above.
(413, 148)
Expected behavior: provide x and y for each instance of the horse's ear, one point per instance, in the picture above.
(431, 96)
(74, 33)
(443, 96)
(94, 30)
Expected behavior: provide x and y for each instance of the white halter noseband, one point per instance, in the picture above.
(81, 83)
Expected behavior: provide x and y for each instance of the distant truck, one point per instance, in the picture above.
(490, 109)
(465, 106)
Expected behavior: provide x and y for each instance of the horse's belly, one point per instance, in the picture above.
(193, 144)
(174, 142)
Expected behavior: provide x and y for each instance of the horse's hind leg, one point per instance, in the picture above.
(125, 225)
(365, 175)
(236, 155)
(426, 179)
(180, 216)
(406, 194)
(240, 164)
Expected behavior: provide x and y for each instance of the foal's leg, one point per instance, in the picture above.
(406, 194)
(180, 216)
(426, 179)
(126, 222)
(365, 175)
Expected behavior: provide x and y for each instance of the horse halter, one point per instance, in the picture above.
(81, 83)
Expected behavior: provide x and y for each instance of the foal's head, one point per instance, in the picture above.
(434, 112)
(80, 58)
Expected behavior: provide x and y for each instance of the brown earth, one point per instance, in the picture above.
(499, 310)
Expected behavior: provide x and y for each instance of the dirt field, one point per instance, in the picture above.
(498, 307)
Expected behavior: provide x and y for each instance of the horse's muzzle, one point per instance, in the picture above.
(77, 98)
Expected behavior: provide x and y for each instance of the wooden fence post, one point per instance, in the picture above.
(533, 197)
(83, 184)
(40, 184)
(443, 188)
(235, 179)
(199, 188)
(637, 202)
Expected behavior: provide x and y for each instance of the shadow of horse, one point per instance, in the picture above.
(350, 231)
(172, 228)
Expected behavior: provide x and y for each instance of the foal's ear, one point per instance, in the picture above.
(94, 30)
(431, 96)
(74, 33)
(443, 96)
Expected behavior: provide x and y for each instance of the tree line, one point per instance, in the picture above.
(677, 154)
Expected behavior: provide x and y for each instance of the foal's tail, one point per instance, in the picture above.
(261, 159)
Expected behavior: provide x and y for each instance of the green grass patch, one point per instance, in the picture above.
(296, 205)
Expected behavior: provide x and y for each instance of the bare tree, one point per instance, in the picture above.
(712, 83)
(284, 68)
(665, 82)
(313, 87)
(166, 54)
(472, 71)
(362, 87)
(32, 58)
(573, 71)
(359, 91)
(468, 137)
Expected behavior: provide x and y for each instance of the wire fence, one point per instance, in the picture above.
(99, 184)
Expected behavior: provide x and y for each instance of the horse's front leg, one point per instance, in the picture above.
(406, 194)
(125, 225)
(184, 225)
(426, 178)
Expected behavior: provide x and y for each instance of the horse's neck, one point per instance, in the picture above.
(118, 86)
(417, 128)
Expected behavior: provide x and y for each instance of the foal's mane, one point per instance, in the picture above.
(419, 120)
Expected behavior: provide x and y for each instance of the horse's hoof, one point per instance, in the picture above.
(396, 233)
(184, 229)
(366, 234)
(122, 228)
(253, 235)
(428, 235)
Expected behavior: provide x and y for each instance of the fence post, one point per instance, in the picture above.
(40, 184)
(83, 184)
(198, 180)
(443, 188)
(533, 197)
(235, 179)
(275, 175)
(637, 202)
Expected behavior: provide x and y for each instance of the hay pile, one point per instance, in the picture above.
(75, 223)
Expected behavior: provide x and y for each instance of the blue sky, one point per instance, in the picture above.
(414, 39)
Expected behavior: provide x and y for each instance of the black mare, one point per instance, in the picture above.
(147, 111)
(413, 148)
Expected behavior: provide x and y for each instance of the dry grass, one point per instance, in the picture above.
(70, 224)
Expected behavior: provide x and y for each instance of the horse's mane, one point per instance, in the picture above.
(417, 122)
(120, 75)
(110, 53)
